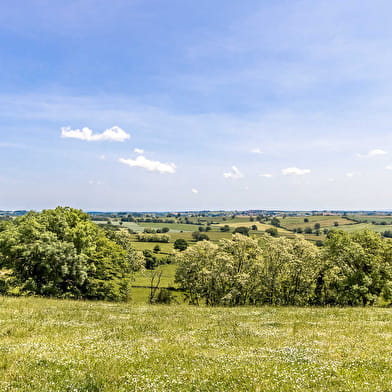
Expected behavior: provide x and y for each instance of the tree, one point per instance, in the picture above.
(241, 230)
(165, 230)
(180, 244)
(357, 269)
(275, 222)
(317, 226)
(306, 220)
(62, 253)
(219, 274)
(244, 271)
(225, 228)
(253, 227)
(197, 236)
(308, 230)
(157, 248)
(273, 231)
(150, 259)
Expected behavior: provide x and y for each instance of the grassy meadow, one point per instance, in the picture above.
(59, 345)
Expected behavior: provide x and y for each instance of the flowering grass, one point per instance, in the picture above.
(54, 345)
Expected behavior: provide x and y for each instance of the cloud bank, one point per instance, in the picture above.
(373, 153)
(154, 166)
(114, 134)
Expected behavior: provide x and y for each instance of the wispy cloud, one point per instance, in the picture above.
(266, 175)
(373, 153)
(195, 191)
(350, 174)
(256, 150)
(235, 174)
(138, 151)
(295, 171)
(389, 167)
(115, 134)
(154, 166)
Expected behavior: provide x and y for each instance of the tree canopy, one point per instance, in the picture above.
(62, 253)
(350, 269)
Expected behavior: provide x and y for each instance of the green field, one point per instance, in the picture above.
(143, 278)
(363, 226)
(293, 222)
(54, 345)
(374, 218)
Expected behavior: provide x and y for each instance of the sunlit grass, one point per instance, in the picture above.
(53, 345)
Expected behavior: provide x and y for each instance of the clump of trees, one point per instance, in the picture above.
(198, 236)
(241, 230)
(62, 253)
(349, 269)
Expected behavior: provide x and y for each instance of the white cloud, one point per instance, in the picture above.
(389, 167)
(102, 157)
(295, 171)
(350, 174)
(115, 134)
(235, 174)
(145, 163)
(373, 153)
(195, 191)
(256, 151)
(266, 175)
(138, 151)
(95, 182)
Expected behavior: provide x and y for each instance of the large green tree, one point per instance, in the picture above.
(62, 253)
(357, 269)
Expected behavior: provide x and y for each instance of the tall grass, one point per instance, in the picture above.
(54, 345)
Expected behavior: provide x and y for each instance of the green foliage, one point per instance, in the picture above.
(146, 237)
(62, 253)
(241, 230)
(225, 228)
(164, 296)
(272, 231)
(198, 236)
(150, 259)
(348, 269)
(357, 269)
(242, 271)
(275, 222)
(180, 244)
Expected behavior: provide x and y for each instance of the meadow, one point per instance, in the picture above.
(60, 345)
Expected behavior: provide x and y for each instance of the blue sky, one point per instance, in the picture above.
(229, 105)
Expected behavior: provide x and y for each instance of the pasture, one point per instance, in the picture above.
(293, 222)
(59, 345)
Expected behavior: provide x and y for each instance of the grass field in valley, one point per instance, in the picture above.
(54, 345)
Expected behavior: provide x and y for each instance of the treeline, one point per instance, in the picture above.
(62, 253)
(351, 269)
(147, 237)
